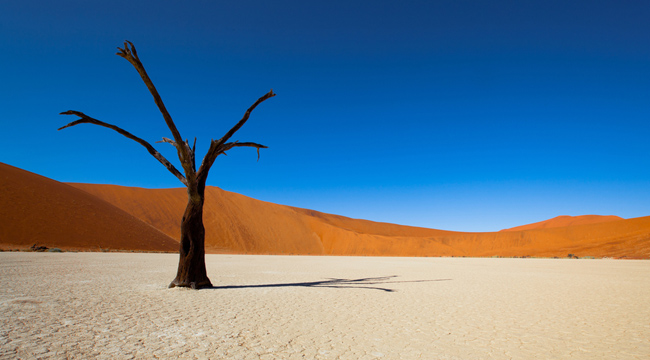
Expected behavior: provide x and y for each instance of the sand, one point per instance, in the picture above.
(38, 210)
(35, 209)
(238, 224)
(116, 305)
(565, 220)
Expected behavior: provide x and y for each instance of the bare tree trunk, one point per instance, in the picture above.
(191, 264)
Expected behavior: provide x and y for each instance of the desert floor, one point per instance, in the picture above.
(116, 305)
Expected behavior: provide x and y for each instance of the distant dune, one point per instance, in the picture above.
(564, 220)
(238, 224)
(38, 210)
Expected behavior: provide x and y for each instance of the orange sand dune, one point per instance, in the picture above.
(625, 238)
(564, 220)
(237, 223)
(38, 210)
(233, 222)
(34, 209)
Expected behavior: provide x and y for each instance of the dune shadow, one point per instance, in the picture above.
(363, 283)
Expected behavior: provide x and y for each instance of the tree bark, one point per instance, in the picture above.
(191, 264)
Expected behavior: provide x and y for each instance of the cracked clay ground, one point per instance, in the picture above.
(117, 306)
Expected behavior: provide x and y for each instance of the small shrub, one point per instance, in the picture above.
(38, 248)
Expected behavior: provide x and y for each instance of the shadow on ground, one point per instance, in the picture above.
(364, 283)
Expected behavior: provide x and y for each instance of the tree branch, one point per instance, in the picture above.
(131, 55)
(241, 122)
(191, 150)
(216, 145)
(167, 140)
(193, 154)
(229, 146)
(85, 119)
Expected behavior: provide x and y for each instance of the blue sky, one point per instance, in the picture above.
(457, 115)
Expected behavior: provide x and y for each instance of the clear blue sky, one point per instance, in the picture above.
(458, 115)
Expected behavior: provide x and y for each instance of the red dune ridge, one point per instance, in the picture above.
(565, 220)
(127, 218)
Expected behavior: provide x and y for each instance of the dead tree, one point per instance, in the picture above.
(191, 265)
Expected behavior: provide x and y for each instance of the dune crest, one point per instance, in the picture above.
(566, 220)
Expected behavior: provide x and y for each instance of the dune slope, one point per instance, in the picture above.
(233, 222)
(236, 223)
(38, 210)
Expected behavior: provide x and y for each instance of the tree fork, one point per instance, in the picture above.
(191, 265)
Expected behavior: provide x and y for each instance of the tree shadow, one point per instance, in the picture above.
(335, 283)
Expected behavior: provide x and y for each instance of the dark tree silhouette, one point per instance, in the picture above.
(191, 265)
